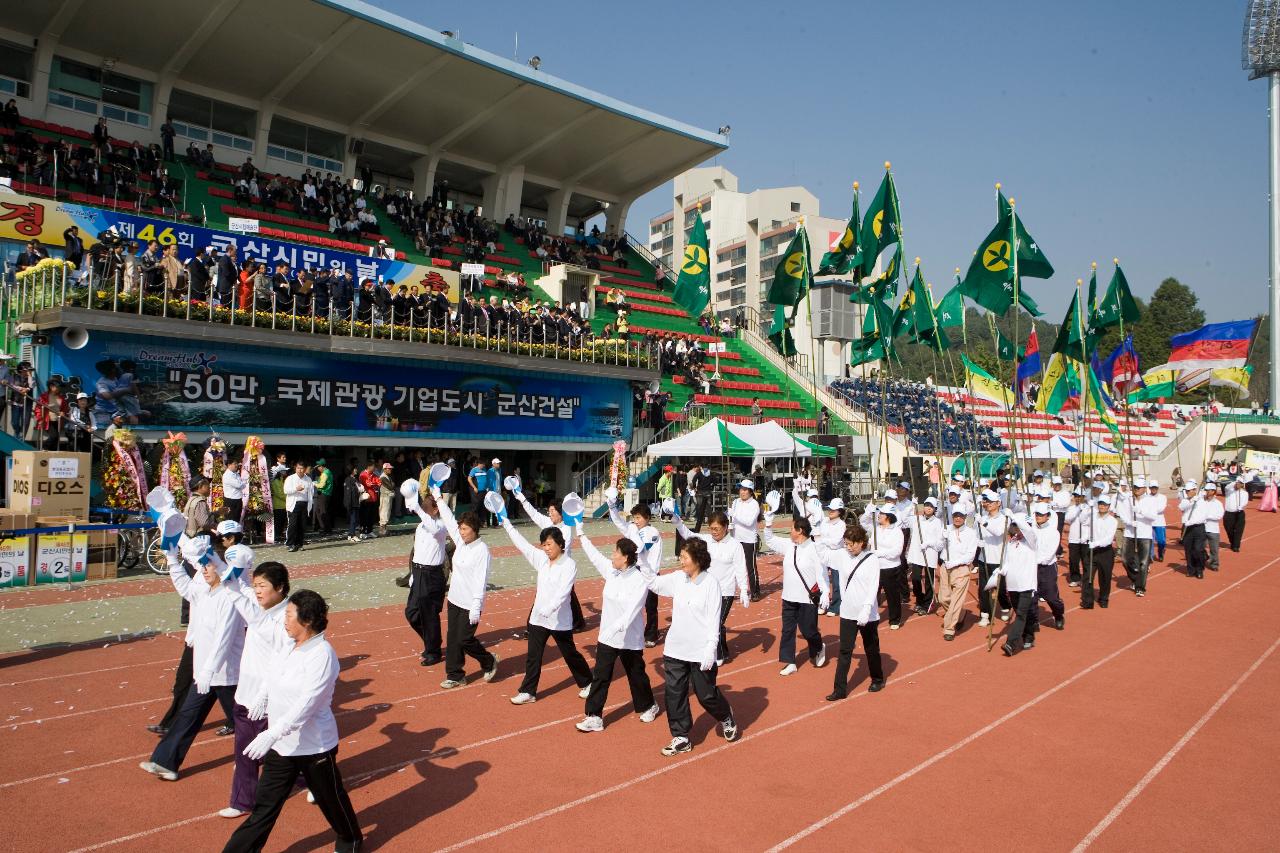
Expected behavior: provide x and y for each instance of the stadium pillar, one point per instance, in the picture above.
(615, 217)
(424, 175)
(42, 66)
(558, 211)
(266, 112)
(1273, 102)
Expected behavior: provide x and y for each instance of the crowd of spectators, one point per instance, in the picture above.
(928, 422)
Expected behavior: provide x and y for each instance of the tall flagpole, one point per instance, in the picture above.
(808, 307)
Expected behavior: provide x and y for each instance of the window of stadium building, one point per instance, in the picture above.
(15, 70)
(87, 89)
(295, 142)
(208, 120)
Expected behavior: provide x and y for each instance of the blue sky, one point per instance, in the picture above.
(1123, 129)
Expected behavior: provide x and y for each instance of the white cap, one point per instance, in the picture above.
(989, 495)
(1190, 484)
(903, 484)
(82, 396)
(1152, 482)
(1211, 486)
(889, 509)
(953, 490)
(1139, 483)
(495, 461)
(836, 503)
(931, 501)
(1098, 473)
(892, 494)
(1123, 481)
(1104, 499)
(228, 527)
(747, 484)
(959, 478)
(812, 493)
(1037, 473)
(1040, 508)
(1057, 481)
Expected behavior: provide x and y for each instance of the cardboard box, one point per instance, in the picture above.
(44, 483)
(103, 555)
(14, 520)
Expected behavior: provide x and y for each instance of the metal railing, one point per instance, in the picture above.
(54, 284)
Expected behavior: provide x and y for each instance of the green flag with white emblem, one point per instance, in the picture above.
(990, 280)
(780, 333)
(846, 255)
(693, 286)
(880, 225)
(791, 278)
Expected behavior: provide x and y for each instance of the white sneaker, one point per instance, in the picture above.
(677, 746)
(984, 621)
(648, 644)
(492, 672)
(590, 724)
(822, 611)
(156, 770)
(311, 798)
(1004, 615)
(821, 660)
(450, 684)
(650, 715)
(789, 669)
(523, 699)
(584, 692)
(230, 812)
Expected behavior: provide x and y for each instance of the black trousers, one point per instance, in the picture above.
(575, 607)
(602, 676)
(699, 513)
(279, 772)
(805, 617)
(462, 642)
(537, 643)
(922, 585)
(297, 531)
(753, 576)
(678, 674)
(722, 648)
(1098, 563)
(1233, 526)
(1047, 588)
(1075, 560)
(182, 681)
(426, 600)
(1193, 542)
(172, 749)
(1025, 620)
(849, 631)
(984, 597)
(368, 515)
(233, 507)
(891, 586)
(651, 617)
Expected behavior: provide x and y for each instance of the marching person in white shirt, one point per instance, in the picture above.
(1019, 572)
(426, 572)
(1158, 529)
(234, 483)
(744, 513)
(465, 602)
(297, 503)
(1059, 501)
(262, 607)
(728, 567)
(957, 501)
(555, 518)
(550, 617)
(621, 636)
(648, 541)
(857, 571)
(1078, 515)
(1101, 556)
(960, 546)
(1213, 514)
(829, 534)
(690, 651)
(1193, 519)
(922, 553)
(1138, 517)
(887, 541)
(302, 735)
(1237, 499)
(991, 532)
(217, 645)
(803, 575)
(1047, 539)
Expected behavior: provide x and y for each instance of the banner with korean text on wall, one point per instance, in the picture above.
(207, 385)
(24, 217)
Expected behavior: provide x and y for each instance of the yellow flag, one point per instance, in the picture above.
(984, 385)
(1235, 378)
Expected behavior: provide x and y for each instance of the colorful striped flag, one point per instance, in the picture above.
(1160, 383)
(984, 385)
(1212, 346)
(1060, 390)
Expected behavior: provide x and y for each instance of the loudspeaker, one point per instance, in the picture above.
(843, 445)
(356, 147)
(913, 473)
(75, 337)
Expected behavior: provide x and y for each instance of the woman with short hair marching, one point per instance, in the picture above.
(804, 590)
(857, 570)
(728, 567)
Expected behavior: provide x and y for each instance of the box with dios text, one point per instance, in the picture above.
(50, 483)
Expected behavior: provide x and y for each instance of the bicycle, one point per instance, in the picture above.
(135, 544)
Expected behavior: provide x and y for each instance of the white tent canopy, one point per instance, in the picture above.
(719, 438)
(1055, 448)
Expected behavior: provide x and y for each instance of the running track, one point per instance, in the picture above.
(1147, 725)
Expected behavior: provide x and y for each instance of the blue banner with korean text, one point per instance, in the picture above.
(173, 384)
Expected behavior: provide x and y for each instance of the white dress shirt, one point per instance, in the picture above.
(233, 485)
(743, 518)
(1047, 539)
(991, 530)
(829, 533)
(1161, 503)
(1237, 497)
(622, 612)
(296, 488)
(728, 563)
(859, 579)
(470, 576)
(695, 616)
(1060, 499)
(551, 608)
(1145, 513)
(926, 542)
(428, 536)
(300, 698)
(263, 642)
(1193, 511)
(648, 542)
(1213, 511)
(1021, 564)
(1103, 533)
(801, 568)
(960, 546)
(887, 544)
(215, 630)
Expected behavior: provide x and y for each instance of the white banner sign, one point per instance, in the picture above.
(236, 225)
(473, 269)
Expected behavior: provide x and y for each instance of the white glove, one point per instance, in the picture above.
(203, 684)
(435, 492)
(474, 617)
(258, 710)
(768, 519)
(745, 600)
(992, 582)
(258, 748)
(706, 665)
(824, 601)
(1006, 512)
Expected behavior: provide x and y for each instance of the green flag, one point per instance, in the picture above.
(950, 311)
(1060, 384)
(780, 333)
(880, 225)
(846, 255)
(693, 286)
(1092, 304)
(1006, 350)
(1031, 261)
(1118, 306)
(990, 281)
(1073, 340)
(884, 286)
(866, 349)
(1097, 399)
(1161, 383)
(791, 278)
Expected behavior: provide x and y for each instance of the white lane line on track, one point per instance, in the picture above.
(1160, 765)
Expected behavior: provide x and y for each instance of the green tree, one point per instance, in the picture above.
(1174, 309)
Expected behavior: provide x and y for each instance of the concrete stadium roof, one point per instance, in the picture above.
(385, 79)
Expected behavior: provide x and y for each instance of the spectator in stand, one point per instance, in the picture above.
(33, 255)
(9, 117)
